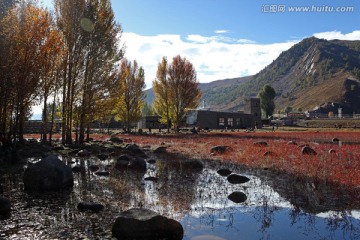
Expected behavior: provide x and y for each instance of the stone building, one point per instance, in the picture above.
(149, 122)
(206, 119)
(249, 118)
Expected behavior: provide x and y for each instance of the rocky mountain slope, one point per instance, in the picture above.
(314, 72)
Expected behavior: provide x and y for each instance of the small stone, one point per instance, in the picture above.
(96, 207)
(291, 143)
(308, 151)
(237, 179)
(260, 144)
(152, 179)
(220, 149)
(237, 197)
(102, 173)
(224, 172)
(270, 154)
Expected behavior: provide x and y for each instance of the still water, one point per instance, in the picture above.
(276, 206)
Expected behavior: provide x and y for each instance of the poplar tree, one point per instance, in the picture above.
(101, 36)
(162, 101)
(176, 89)
(27, 31)
(131, 94)
(183, 88)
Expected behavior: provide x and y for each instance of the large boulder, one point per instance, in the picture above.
(5, 205)
(135, 150)
(122, 162)
(137, 164)
(49, 174)
(144, 224)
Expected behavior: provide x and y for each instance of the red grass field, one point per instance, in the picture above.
(341, 167)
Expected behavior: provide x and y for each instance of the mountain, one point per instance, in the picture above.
(315, 72)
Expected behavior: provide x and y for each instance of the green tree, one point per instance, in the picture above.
(267, 96)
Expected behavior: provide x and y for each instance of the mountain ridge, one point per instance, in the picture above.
(311, 74)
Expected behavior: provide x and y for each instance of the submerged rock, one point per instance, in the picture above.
(144, 224)
(49, 174)
(237, 197)
(92, 206)
(237, 179)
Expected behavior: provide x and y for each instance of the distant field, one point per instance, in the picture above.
(331, 123)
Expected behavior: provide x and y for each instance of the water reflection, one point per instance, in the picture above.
(277, 206)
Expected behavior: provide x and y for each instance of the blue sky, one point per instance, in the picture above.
(242, 19)
(227, 38)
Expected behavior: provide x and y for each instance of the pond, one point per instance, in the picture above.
(276, 206)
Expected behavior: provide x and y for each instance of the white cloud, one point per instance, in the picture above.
(214, 57)
(221, 31)
(354, 35)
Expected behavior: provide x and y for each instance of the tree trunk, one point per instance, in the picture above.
(44, 122)
(63, 127)
(52, 119)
